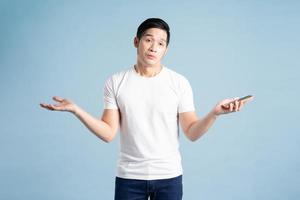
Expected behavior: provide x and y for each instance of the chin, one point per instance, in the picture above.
(149, 62)
(153, 61)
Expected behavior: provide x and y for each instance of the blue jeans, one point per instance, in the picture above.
(161, 189)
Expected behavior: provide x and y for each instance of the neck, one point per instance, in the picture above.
(146, 70)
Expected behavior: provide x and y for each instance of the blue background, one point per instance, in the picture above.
(224, 48)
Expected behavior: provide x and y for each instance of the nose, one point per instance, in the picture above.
(153, 47)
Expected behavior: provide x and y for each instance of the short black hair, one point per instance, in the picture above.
(153, 23)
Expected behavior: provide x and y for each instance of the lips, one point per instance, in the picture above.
(151, 57)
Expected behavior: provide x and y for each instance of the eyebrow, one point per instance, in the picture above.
(148, 34)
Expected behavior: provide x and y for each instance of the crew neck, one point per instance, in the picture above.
(151, 77)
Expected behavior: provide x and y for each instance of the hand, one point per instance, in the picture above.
(63, 105)
(233, 106)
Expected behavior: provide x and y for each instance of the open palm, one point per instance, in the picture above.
(62, 105)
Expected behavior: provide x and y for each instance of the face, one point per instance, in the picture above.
(152, 47)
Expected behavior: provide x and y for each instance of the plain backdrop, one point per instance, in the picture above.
(224, 48)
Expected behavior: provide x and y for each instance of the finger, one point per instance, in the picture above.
(232, 100)
(55, 107)
(45, 106)
(240, 108)
(59, 99)
(236, 102)
(241, 105)
(58, 107)
(236, 106)
(42, 105)
(51, 107)
(226, 106)
(231, 107)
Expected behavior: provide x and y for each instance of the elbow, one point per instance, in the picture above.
(190, 132)
(193, 139)
(106, 140)
(109, 138)
(190, 137)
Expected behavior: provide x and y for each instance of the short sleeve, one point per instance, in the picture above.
(109, 97)
(186, 101)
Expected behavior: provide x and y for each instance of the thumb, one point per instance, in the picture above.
(59, 99)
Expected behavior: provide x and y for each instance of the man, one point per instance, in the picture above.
(148, 100)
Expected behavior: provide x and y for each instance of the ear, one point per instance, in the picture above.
(136, 42)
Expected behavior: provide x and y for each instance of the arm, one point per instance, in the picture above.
(193, 127)
(104, 128)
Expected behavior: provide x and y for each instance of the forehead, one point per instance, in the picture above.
(156, 33)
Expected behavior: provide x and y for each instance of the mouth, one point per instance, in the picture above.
(151, 57)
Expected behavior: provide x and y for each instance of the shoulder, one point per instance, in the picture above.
(176, 78)
(117, 77)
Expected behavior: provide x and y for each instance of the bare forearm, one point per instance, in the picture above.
(201, 126)
(96, 126)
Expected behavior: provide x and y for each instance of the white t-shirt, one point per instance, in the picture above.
(149, 126)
